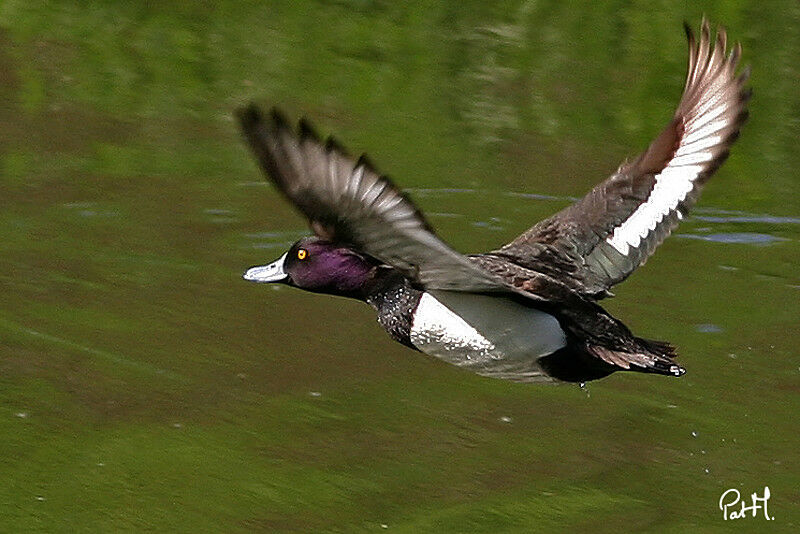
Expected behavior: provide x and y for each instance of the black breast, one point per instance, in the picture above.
(394, 298)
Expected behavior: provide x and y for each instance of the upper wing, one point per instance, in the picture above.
(598, 241)
(348, 201)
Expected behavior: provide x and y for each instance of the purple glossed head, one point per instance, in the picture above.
(317, 265)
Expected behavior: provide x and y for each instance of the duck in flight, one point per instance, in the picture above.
(527, 311)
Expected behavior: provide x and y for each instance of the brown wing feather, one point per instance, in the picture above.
(598, 241)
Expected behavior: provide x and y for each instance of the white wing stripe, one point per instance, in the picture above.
(698, 145)
(708, 130)
(689, 159)
(671, 187)
(705, 116)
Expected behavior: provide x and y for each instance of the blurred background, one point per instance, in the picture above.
(145, 386)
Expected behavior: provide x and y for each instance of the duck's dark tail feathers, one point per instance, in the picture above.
(664, 357)
(649, 356)
(662, 348)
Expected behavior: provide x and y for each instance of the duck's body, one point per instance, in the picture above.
(491, 335)
(528, 310)
(501, 335)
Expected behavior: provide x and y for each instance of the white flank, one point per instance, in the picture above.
(436, 328)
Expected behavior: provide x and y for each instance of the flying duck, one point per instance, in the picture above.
(527, 311)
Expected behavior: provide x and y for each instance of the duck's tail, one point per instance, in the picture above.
(647, 356)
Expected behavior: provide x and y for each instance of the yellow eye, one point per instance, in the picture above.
(301, 254)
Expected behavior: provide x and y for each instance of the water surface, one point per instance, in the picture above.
(145, 386)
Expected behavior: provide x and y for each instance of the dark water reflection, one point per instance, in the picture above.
(146, 387)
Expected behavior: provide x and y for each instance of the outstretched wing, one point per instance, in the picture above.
(346, 200)
(349, 202)
(598, 241)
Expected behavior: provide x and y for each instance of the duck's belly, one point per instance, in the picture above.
(490, 335)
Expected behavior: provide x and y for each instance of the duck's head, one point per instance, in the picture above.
(315, 264)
